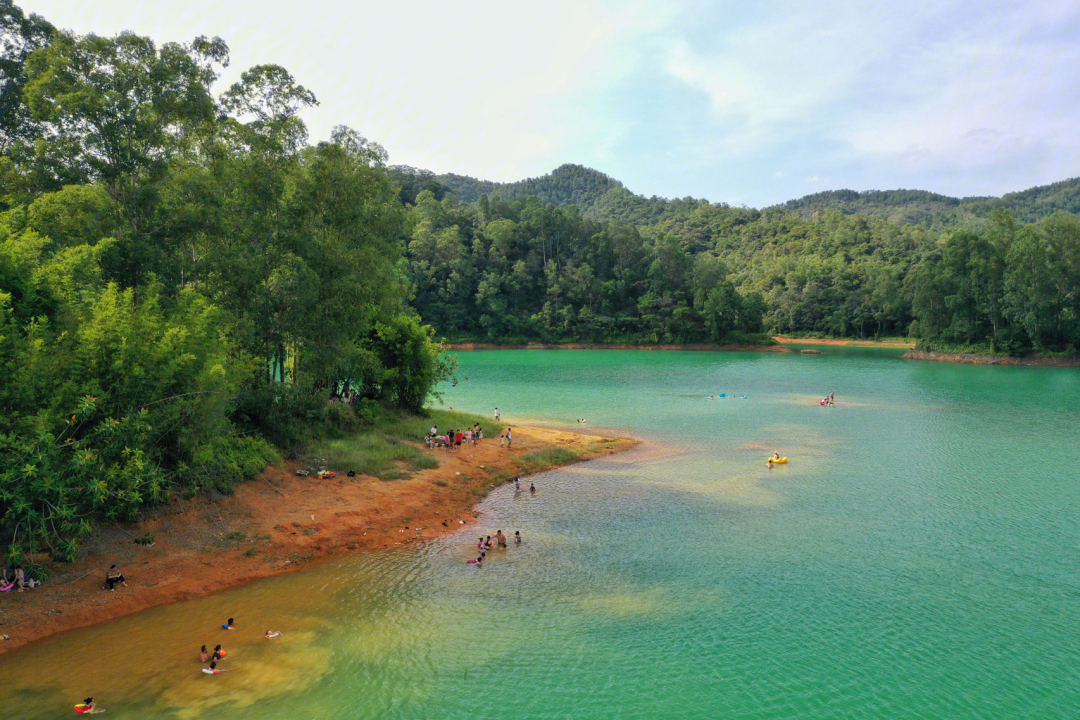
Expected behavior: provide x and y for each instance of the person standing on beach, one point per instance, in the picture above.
(509, 438)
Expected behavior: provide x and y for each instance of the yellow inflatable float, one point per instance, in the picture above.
(778, 461)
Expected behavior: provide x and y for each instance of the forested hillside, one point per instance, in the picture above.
(984, 274)
(185, 280)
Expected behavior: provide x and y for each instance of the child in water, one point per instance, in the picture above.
(517, 536)
(228, 625)
(270, 634)
(532, 488)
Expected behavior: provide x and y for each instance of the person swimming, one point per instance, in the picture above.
(581, 420)
(219, 654)
(477, 561)
(270, 634)
(86, 707)
(228, 625)
(203, 656)
(769, 464)
(213, 669)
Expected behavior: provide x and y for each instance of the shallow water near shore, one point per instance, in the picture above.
(918, 557)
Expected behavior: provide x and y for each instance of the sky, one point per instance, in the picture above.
(750, 103)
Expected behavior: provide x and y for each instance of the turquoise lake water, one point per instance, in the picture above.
(919, 557)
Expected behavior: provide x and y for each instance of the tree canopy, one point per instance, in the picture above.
(185, 280)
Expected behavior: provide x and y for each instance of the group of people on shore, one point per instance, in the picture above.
(15, 579)
(454, 438)
(828, 400)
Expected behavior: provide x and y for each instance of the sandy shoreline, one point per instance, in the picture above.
(273, 524)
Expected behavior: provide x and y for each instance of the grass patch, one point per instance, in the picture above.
(549, 457)
(390, 448)
(370, 453)
(424, 462)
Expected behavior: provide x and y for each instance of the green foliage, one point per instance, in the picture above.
(844, 264)
(183, 278)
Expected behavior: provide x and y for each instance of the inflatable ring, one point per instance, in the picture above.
(778, 461)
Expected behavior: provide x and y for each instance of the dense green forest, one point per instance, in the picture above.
(575, 256)
(185, 280)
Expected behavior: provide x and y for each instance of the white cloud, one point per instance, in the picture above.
(684, 97)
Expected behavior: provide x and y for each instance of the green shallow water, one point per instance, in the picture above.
(918, 558)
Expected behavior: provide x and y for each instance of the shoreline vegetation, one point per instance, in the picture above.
(281, 521)
(913, 353)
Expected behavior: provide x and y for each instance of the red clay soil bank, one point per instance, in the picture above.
(273, 524)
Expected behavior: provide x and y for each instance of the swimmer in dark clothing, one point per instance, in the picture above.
(219, 654)
(532, 488)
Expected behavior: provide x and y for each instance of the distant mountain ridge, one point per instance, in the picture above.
(602, 197)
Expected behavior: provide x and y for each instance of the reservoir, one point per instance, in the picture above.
(919, 556)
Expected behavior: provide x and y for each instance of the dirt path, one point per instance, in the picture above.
(275, 523)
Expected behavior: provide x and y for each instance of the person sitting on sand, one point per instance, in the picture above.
(113, 576)
(203, 656)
